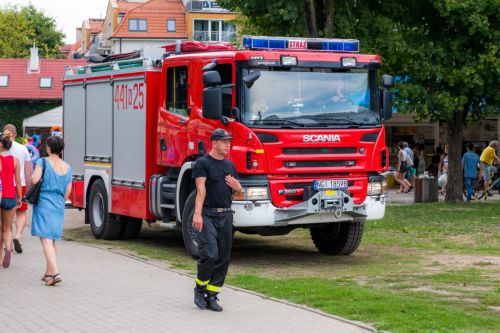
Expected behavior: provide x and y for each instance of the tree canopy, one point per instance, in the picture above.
(446, 52)
(20, 28)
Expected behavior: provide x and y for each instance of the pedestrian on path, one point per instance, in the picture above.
(21, 152)
(470, 163)
(488, 156)
(48, 213)
(404, 185)
(11, 195)
(216, 183)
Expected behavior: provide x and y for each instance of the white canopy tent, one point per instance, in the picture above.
(44, 120)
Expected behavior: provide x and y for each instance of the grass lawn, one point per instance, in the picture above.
(423, 268)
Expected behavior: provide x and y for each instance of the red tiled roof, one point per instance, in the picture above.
(24, 86)
(66, 47)
(157, 12)
(96, 25)
(75, 47)
(125, 6)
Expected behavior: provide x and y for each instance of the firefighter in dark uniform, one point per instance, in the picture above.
(216, 183)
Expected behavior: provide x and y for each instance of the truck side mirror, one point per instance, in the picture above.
(210, 66)
(212, 102)
(250, 78)
(211, 78)
(387, 104)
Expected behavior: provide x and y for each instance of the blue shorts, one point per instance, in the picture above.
(8, 203)
(486, 172)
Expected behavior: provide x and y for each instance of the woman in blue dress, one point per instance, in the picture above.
(48, 213)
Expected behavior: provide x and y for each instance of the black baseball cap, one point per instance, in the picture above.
(220, 134)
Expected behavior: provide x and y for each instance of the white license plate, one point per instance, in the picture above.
(332, 184)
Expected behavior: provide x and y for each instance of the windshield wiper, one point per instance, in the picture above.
(278, 122)
(342, 121)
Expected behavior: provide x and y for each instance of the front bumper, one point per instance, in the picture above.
(323, 207)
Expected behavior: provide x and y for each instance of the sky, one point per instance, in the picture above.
(68, 14)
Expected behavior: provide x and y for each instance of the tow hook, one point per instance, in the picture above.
(337, 212)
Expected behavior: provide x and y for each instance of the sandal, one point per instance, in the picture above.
(56, 278)
(6, 258)
(44, 278)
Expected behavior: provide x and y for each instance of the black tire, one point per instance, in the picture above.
(131, 227)
(337, 238)
(103, 224)
(190, 235)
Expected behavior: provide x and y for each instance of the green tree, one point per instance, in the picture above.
(285, 17)
(21, 27)
(46, 36)
(446, 51)
(449, 57)
(16, 32)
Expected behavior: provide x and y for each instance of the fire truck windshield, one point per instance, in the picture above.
(305, 98)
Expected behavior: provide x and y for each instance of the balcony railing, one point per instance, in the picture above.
(214, 36)
(204, 5)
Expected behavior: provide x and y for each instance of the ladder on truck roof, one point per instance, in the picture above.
(151, 56)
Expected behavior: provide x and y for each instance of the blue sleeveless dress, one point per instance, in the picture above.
(48, 213)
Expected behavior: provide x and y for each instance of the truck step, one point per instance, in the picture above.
(168, 206)
(170, 225)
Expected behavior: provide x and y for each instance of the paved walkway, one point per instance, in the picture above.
(104, 291)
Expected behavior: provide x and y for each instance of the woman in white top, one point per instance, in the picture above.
(404, 185)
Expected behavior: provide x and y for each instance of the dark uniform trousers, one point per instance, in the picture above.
(215, 241)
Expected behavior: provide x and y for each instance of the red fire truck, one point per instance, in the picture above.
(307, 116)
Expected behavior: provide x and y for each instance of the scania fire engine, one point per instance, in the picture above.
(307, 120)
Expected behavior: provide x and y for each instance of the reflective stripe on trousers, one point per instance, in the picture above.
(215, 241)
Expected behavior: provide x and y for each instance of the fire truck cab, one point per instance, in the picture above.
(307, 119)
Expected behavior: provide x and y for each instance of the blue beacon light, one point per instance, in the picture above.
(290, 43)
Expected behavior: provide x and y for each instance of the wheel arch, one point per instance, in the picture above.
(185, 185)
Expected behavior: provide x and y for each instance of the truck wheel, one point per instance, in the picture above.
(103, 224)
(337, 238)
(131, 227)
(190, 235)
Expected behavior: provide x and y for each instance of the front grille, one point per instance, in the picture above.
(318, 175)
(312, 164)
(319, 151)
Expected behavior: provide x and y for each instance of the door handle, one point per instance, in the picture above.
(182, 121)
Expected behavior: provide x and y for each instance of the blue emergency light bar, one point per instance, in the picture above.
(290, 43)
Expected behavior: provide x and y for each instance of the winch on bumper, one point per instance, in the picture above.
(322, 207)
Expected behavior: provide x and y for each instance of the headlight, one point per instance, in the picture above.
(349, 62)
(377, 188)
(253, 193)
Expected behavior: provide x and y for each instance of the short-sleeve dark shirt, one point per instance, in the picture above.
(219, 194)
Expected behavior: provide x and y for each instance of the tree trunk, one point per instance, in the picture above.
(455, 127)
(330, 12)
(312, 27)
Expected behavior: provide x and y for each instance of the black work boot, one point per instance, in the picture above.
(212, 302)
(199, 297)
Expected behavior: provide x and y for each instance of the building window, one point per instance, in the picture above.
(109, 29)
(214, 31)
(138, 25)
(4, 80)
(45, 82)
(171, 26)
(120, 17)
